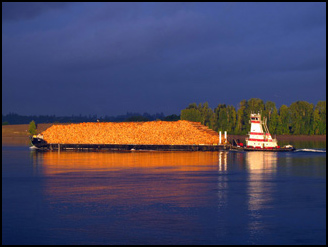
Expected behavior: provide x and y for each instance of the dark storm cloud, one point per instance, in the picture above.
(118, 57)
(15, 11)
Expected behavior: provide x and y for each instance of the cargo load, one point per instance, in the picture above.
(180, 132)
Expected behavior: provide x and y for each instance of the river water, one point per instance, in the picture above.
(154, 197)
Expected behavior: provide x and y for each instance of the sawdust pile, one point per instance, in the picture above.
(155, 132)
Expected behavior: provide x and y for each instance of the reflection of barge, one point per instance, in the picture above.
(259, 140)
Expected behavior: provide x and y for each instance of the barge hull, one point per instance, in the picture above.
(132, 147)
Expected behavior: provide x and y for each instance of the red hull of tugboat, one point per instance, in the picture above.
(283, 149)
(269, 149)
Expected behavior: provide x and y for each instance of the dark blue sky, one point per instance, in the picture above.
(110, 58)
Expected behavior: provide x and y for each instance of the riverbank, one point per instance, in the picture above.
(19, 135)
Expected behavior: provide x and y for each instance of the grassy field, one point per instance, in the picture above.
(18, 134)
(21, 129)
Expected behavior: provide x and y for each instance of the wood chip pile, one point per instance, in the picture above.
(156, 132)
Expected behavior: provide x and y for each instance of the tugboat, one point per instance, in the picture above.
(38, 142)
(259, 137)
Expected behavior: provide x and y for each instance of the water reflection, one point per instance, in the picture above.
(163, 198)
(223, 162)
(261, 162)
(128, 178)
(262, 166)
(68, 162)
(116, 191)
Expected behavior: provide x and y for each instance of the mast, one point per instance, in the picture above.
(265, 125)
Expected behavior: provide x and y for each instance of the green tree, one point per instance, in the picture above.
(232, 118)
(240, 127)
(222, 117)
(319, 118)
(283, 120)
(301, 118)
(254, 105)
(137, 119)
(272, 115)
(192, 106)
(32, 128)
(191, 114)
(199, 113)
(172, 117)
(208, 118)
(226, 118)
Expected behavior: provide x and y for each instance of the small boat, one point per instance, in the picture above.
(259, 138)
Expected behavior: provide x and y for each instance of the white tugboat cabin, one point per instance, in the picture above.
(259, 135)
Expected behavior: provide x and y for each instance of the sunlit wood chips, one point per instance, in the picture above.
(156, 132)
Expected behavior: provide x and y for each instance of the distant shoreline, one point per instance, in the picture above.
(18, 135)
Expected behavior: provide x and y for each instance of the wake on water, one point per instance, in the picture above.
(310, 150)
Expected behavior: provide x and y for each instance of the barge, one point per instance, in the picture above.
(130, 136)
(156, 136)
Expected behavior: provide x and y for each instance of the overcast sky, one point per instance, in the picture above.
(113, 58)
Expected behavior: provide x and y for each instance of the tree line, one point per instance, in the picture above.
(13, 118)
(300, 118)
